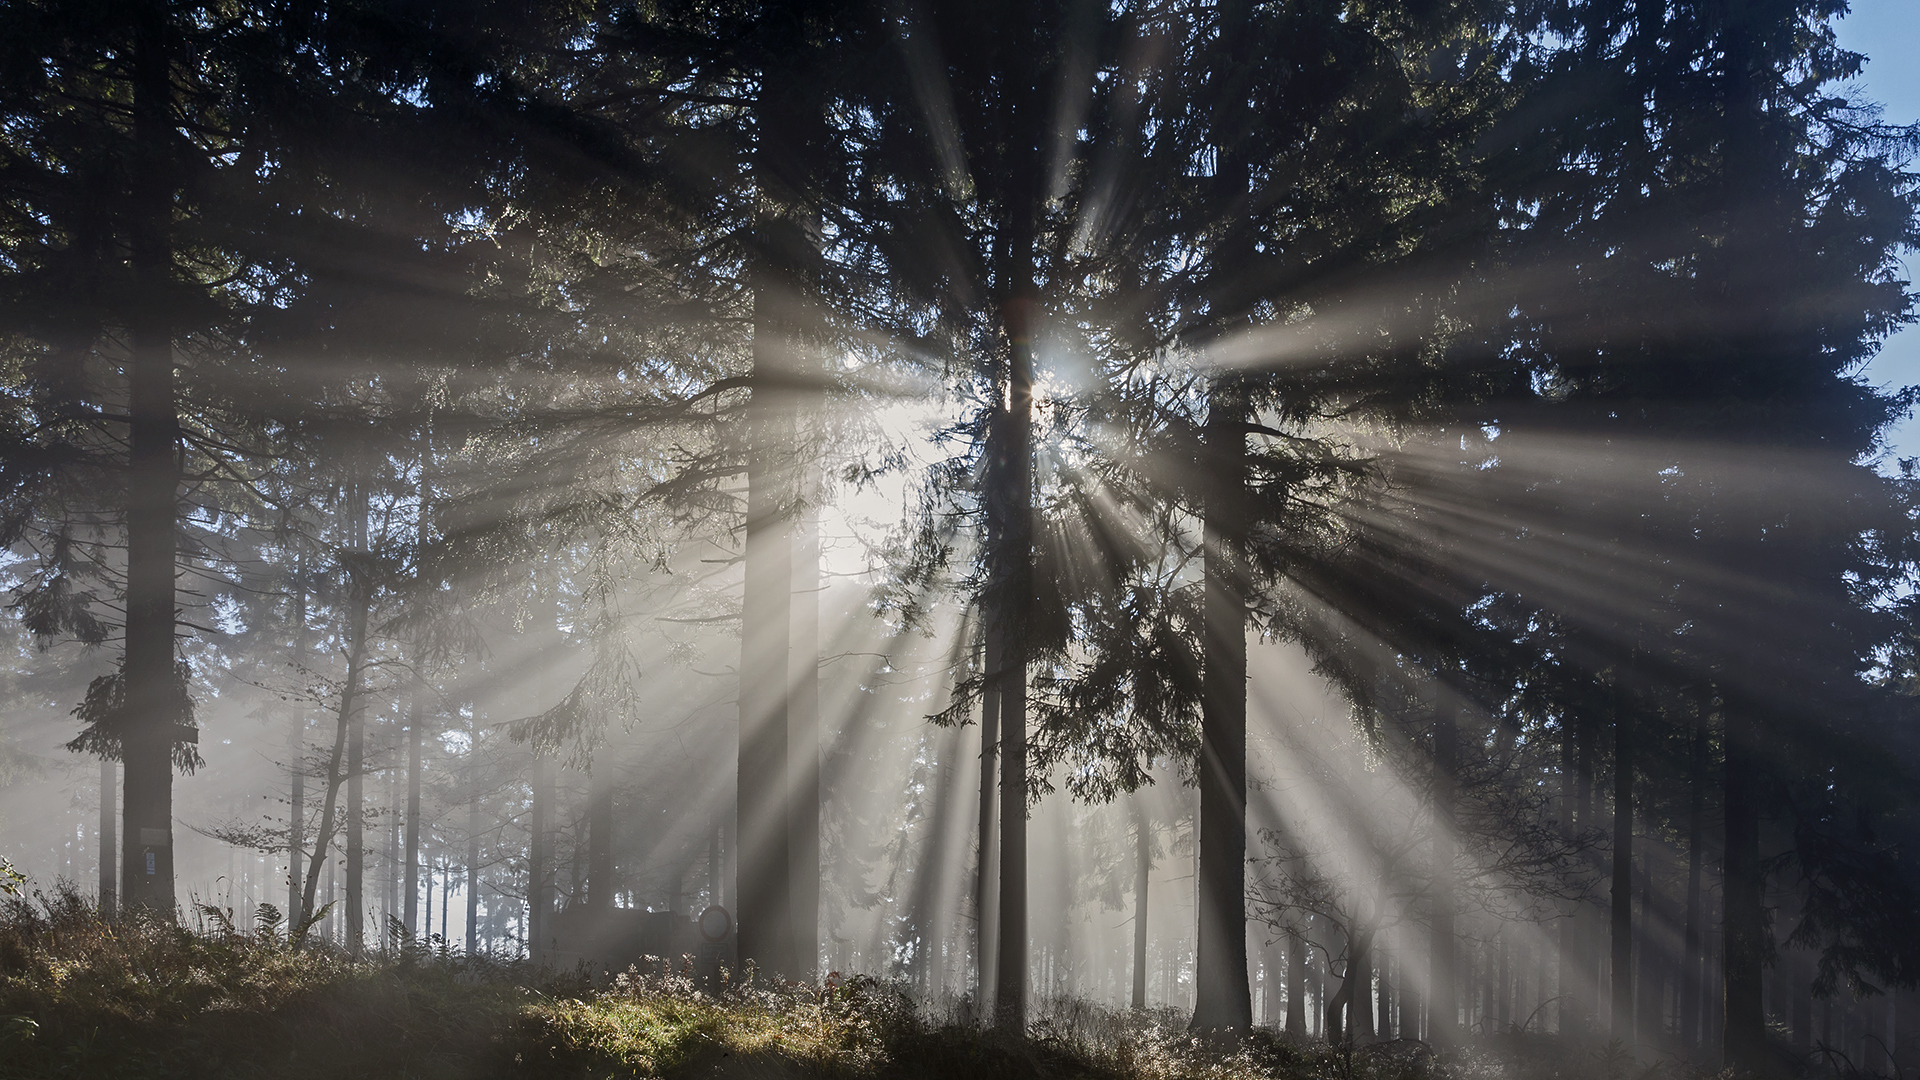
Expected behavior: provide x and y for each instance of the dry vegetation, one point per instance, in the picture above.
(84, 997)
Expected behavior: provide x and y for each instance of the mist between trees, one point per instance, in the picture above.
(1360, 518)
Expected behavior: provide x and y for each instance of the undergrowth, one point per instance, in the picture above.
(81, 996)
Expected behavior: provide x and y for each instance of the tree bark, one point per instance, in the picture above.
(153, 479)
(1010, 517)
(1296, 984)
(1222, 1000)
(109, 847)
(986, 878)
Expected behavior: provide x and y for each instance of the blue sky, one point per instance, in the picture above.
(1888, 32)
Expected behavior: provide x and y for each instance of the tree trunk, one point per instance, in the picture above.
(1385, 1025)
(1222, 1001)
(1010, 524)
(1584, 988)
(1620, 978)
(1359, 987)
(349, 706)
(473, 856)
(1442, 1001)
(539, 862)
(986, 876)
(1743, 917)
(600, 883)
(803, 737)
(1296, 984)
(109, 847)
(1142, 878)
(412, 902)
(356, 914)
(297, 769)
(1692, 959)
(152, 693)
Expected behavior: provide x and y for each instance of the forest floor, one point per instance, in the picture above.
(85, 997)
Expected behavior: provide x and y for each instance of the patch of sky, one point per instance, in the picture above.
(1887, 32)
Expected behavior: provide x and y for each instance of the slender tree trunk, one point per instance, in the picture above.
(414, 720)
(1621, 900)
(1503, 987)
(1442, 1002)
(356, 914)
(540, 861)
(1691, 946)
(109, 847)
(473, 860)
(1743, 917)
(297, 771)
(1383, 964)
(803, 735)
(1142, 878)
(1585, 973)
(152, 690)
(600, 883)
(1222, 1000)
(349, 706)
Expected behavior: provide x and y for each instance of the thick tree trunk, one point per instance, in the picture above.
(1142, 878)
(1442, 1000)
(1222, 1001)
(1010, 523)
(986, 901)
(151, 713)
(764, 932)
(109, 847)
(1359, 985)
(1621, 898)
(1296, 984)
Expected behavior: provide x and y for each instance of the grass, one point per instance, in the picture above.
(84, 997)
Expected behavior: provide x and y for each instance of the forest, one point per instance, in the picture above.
(1335, 538)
